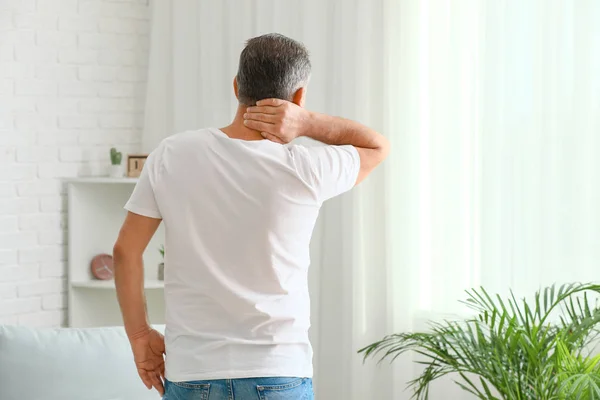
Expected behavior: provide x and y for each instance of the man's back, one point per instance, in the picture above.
(239, 211)
(238, 217)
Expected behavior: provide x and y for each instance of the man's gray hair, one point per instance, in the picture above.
(272, 66)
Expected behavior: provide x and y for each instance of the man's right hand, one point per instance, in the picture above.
(148, 350)
(278, 120)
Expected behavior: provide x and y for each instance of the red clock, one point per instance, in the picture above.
(102, 267)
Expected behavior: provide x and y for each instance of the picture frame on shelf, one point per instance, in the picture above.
(135, 163)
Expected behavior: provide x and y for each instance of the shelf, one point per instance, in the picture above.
(103, 179)
(98, 284)
(95, 216)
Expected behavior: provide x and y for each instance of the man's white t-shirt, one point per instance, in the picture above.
(238, 219)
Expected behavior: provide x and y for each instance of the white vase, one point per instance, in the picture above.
(116, 171)
(161, 271)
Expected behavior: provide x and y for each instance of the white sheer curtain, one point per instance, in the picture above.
(493, 110)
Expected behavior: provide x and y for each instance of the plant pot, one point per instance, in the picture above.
(161, 271)
(116, 171)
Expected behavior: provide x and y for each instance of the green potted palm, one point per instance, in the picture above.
(541, 349)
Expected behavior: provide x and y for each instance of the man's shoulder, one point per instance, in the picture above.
(186, 137)
(180, 144)
(312, 149)
(302, 147)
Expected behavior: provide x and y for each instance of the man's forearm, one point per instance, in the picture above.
(339, 131)
(129, 280)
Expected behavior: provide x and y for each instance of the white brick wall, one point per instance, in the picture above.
(72, 82)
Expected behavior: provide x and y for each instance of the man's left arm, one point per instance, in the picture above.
(141, 223)
(146, 343)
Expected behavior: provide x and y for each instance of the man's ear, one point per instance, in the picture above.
(235, 87)
(299, 97)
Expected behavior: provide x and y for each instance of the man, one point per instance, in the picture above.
(239, 207)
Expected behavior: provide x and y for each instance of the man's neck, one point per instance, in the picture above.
(237, 129)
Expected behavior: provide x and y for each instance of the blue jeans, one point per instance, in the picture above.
(241, 389)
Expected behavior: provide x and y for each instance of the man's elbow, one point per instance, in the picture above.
(119, 251)
(122, 252)
(384, 147)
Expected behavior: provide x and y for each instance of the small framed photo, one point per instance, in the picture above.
(135, 163)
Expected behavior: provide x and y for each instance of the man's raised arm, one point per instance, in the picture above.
(282, 121)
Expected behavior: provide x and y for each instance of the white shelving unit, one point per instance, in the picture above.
(95, 216)
(96, 284)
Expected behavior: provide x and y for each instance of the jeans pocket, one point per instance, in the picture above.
(186, 391)
(299, 389)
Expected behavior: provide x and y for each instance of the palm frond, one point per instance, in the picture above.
(513, 347)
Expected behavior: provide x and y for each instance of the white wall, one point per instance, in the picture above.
(72, 82)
